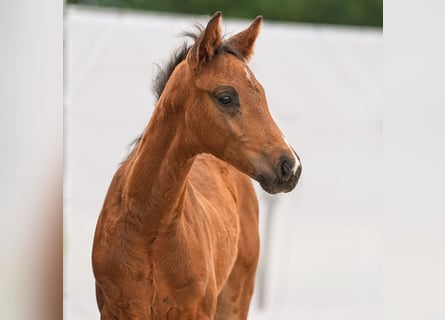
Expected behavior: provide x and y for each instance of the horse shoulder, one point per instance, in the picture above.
(223, 205)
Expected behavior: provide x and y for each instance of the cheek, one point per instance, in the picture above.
(236, 130)
(207, 126)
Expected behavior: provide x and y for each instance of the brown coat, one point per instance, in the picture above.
(177, 237)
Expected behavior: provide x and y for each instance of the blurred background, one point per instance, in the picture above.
(344, 12)
(320, 63)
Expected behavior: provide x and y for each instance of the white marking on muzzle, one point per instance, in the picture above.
(297, 162)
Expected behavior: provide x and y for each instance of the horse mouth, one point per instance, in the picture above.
(274, 186)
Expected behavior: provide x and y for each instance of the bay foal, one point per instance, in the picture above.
(177, 237)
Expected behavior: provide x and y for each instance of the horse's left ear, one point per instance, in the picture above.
(244, 41)
(208, 41)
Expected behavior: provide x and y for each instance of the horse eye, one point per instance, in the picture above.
(225, 100)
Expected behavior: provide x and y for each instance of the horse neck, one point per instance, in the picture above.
(158, 170)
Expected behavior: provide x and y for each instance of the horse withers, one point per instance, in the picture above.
(177, 237)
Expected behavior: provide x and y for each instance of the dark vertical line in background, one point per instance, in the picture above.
(265, 250)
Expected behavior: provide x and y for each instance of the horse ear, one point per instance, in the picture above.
(208, 41)
(244, 41)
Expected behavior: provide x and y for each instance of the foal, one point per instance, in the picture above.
(177, 237)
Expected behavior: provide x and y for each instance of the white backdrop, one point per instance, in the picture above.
(324, 86)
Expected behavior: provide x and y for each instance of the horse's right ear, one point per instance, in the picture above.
(208, 42)
(244, 41)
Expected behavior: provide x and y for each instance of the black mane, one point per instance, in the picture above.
(164, 73)
(177, 57)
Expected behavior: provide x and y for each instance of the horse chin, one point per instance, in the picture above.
(273, 186)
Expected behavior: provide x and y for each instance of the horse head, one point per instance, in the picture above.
(225, 108)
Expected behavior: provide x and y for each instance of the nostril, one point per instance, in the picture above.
(285, 169)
